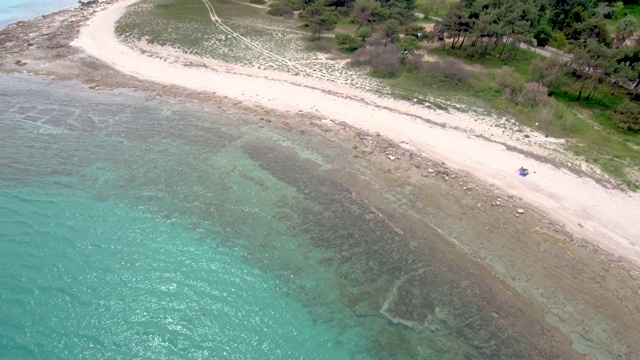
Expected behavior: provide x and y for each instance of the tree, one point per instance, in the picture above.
(363, 33)
(630, 59)
(408, 44)
(457, 23)
(417, 31)
(625, 29)
(561, 10)
(590, 61)
(391, 31)
(363, 12)
(319, 19)
(339, 3)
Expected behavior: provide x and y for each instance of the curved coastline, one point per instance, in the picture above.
(604, 217)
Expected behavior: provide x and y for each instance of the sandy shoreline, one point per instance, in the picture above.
(604, 217)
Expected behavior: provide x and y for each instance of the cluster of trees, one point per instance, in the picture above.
(373, 15)
(482, 29)
(596, 60)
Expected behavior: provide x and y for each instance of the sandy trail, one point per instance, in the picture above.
(605, 217)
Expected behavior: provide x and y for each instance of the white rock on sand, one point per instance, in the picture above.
(608, 218)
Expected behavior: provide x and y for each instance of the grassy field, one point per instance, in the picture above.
(255, 39)
(435, 8)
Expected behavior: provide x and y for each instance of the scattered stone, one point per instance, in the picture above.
(20, 63)
(520, 211)
(430, 170)
(392, 158)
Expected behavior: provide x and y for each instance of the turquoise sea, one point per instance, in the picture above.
(136, 227)
(16, 10)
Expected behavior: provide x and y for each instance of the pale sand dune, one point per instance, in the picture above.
(608, 218)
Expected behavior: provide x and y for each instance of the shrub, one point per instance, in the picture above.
(543, 36)
(279, 9)
(448, 72)
(454, 70)
(343, 11)
(386, 60)
(534, 94)
(377, 39)
(360, 57)
(508, 83)
(259, 2)
(414, 62)
(559, 41)
(321, 45)
(348, 42)
(415, 30)
(549, 73)
(627, 116)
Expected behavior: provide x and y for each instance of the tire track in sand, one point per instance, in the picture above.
(218, 22)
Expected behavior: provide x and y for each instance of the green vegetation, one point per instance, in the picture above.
(589, 96)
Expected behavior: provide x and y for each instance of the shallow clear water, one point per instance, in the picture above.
(134, 227)
(93, 264)
(16, 10)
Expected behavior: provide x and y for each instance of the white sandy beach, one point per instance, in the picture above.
(605, 217)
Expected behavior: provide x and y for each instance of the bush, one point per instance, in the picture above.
(417, 31)
(534, 94)
(348, 42)
(343, 11)
(360, 57)
(343, 39)
(386, 60)
(414, 62)
(508, 83)
(279, 9)
(543, 36)
(550, 72)
(627, 116)
(320, 45)
(450, 72)
(559, 41)
(259, 2)
(377, 39)
(454, 70)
